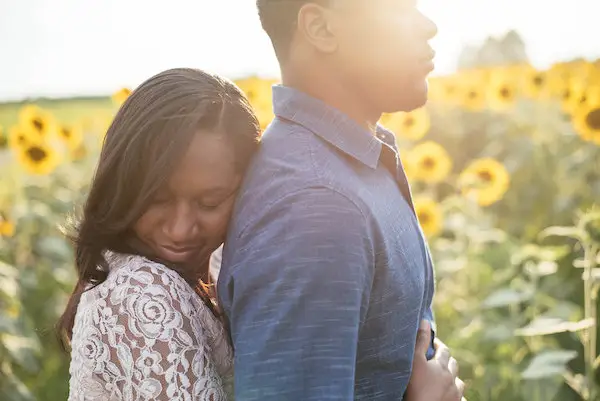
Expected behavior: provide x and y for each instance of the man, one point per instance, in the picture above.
(326, 274)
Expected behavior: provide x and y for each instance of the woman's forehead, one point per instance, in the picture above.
(208, 161)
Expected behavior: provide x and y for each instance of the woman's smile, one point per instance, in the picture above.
(177, 254)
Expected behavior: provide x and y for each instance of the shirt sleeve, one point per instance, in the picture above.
(299, 281)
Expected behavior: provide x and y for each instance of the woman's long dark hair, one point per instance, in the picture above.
(142, 146)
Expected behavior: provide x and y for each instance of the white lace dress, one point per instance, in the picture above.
(144, 334)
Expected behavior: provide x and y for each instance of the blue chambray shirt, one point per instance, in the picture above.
(326, 273)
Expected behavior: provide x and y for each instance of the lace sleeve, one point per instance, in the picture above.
(153, 344)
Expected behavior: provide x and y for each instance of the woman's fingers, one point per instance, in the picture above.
(442, 355)
(453, 367)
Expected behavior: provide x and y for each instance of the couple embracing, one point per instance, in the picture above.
(326, 282)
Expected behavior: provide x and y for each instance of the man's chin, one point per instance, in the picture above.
(407, 104)
(410, 97)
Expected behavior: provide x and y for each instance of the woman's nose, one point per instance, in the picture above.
(180, 225)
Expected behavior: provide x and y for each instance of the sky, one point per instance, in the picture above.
(61, 48)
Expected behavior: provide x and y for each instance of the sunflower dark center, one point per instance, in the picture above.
(429, 163)
(36, 154)
(424, 217)
(593, 119)
(38, 124)
(66, 132)
(538, 80)
(3, 142)
(409, 122)
(485, 175)
(505, 92)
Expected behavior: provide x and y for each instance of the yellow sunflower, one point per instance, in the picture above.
(120, 96)
(445, 90)
(485, 180)
(558, 81)
(430, 215)
(435, 90)
(473, 97)
(408, 166)
(37, 120)
(39, 159)
(592, 93)
(19, 137)
(71, 135)
(7, 228)
(413, 125)
(535, 84)
(573, 97)
(3, 139)
(587, 122)
(258, 91)
(430, 162)
(502, 92)
(259, 94)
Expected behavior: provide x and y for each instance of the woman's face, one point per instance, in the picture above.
(188, 219)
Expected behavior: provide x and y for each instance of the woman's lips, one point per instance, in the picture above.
(177, 254)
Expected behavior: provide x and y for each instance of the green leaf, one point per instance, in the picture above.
(22, 350)
(499, 333)
(540, 253)
(543, 268)
(9, 287)
(7, 270)
(7, 324)
(548, 364)
(14, 389)
(562, 231)
(546, 325)
(505, 297)
(542, 390)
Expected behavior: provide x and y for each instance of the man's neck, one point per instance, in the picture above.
(333, 92)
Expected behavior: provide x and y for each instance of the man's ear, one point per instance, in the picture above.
(315, 25)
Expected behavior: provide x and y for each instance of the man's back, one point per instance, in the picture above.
(325, 273)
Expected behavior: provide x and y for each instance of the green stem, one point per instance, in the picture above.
(590, 265)
(589, 344)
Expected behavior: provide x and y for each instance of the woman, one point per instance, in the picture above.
(141, 324)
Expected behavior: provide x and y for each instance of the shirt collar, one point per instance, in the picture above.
(331, 125)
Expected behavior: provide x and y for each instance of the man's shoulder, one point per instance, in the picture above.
(287, 161)
(284, 139)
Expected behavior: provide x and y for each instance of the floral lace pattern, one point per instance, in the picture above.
(144, 334)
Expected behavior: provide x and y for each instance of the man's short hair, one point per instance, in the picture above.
(278, 19)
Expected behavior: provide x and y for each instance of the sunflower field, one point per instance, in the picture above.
(505, 167)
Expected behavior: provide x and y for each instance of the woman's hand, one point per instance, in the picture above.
(437, 379)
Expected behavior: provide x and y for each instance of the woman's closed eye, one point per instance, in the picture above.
(208, 204)
(214, 200)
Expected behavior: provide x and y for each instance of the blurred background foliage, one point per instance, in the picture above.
(505, 167)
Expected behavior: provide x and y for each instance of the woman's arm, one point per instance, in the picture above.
(155, 342)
